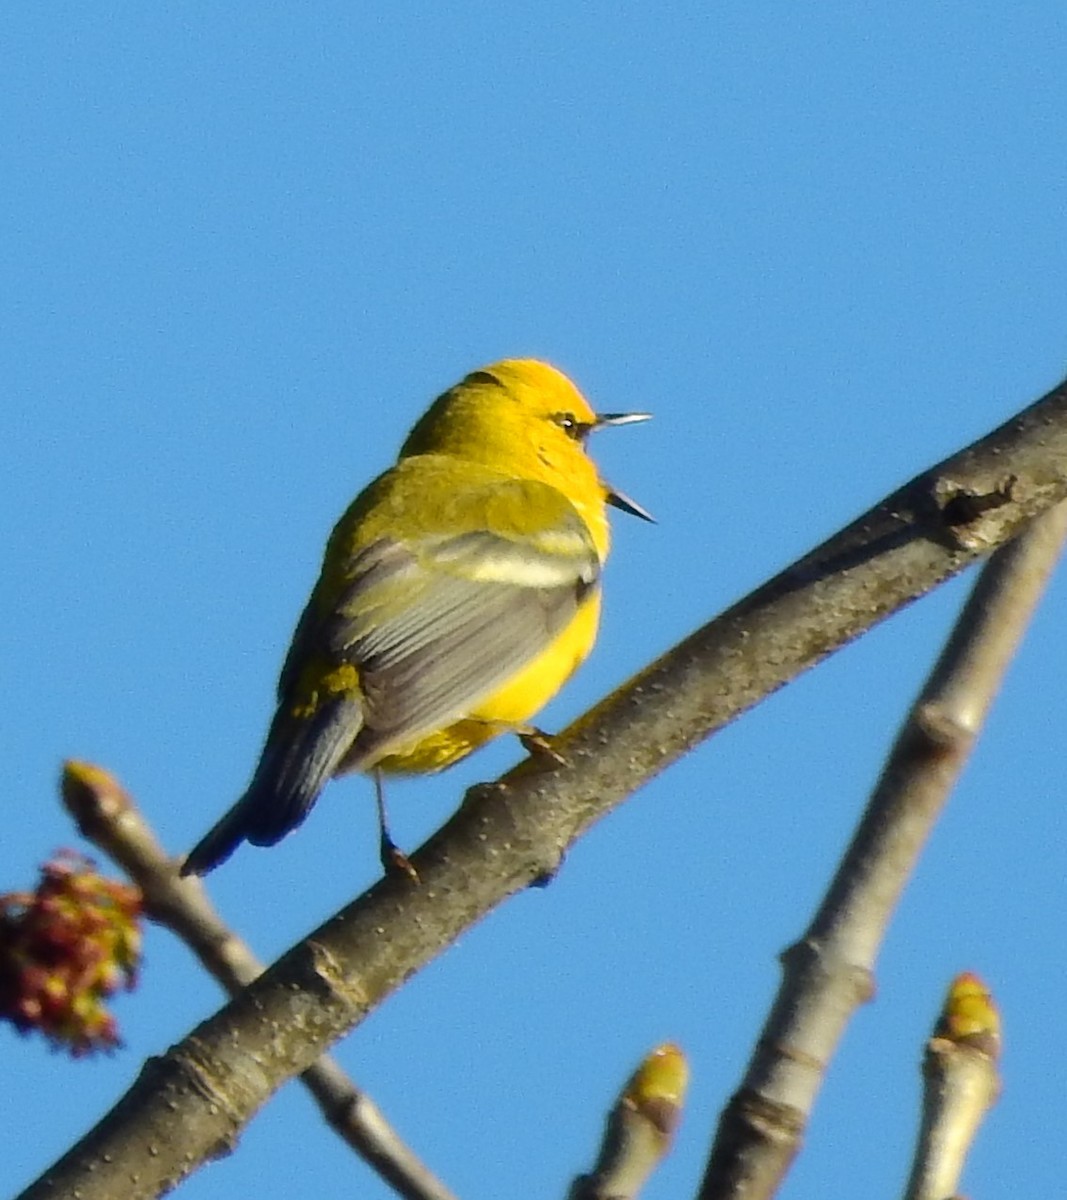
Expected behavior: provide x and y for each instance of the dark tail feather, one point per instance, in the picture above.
(297, 761)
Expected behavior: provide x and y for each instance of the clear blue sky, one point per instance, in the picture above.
(242, 249)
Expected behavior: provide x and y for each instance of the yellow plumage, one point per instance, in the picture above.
(458, 593)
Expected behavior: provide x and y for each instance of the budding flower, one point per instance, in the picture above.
(64, 949)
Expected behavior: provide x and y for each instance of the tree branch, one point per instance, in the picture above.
(828, 973)
(639, 1128)
(510, 833)
(107, 816)
(961, 1080)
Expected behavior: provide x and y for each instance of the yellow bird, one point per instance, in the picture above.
(458, 593)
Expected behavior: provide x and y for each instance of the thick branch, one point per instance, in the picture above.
(829, 972)
(108, 817)
(511, 833)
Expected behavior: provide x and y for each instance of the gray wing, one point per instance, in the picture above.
(436, 626)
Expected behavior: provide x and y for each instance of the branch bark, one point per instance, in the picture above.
(639, 1128)
(828, 973)
(961, 1077)
(511, 833)
(107, 816)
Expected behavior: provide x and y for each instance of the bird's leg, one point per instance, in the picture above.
(393, 859)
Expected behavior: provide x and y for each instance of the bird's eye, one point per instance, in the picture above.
(571, 426)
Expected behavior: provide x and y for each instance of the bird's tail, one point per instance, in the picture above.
(298, 759)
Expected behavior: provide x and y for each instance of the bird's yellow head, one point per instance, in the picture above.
(526, 418)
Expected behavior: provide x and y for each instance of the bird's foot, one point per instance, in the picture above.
(538, 744)
(394, 861)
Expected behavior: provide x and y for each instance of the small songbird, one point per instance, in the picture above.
(458, 593)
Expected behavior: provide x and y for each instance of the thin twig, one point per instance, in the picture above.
(962, 1082)
(508, 834)
(639, 1128)
(108, 817)
(828, 973)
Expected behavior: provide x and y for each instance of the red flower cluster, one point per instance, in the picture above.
(64, 949)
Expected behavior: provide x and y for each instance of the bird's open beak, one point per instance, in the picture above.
(619, 499)
(614, 497)
(603, 419)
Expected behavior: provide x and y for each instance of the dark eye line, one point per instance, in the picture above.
(570, 424)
